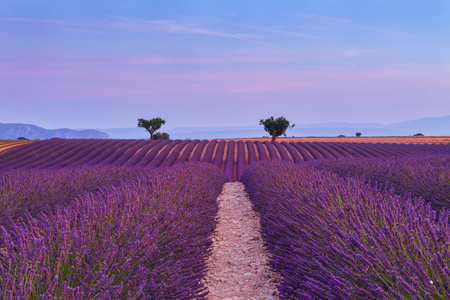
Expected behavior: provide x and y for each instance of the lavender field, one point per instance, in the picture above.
(422, 176)
(233, 157)
(106, 232)
(338, 238)
(133, 219)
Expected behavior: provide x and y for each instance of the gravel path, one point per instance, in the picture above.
(238, 267)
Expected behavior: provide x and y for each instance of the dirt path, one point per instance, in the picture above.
(238, 264)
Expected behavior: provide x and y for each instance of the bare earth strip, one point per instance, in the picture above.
(238, 267)
(9, 144)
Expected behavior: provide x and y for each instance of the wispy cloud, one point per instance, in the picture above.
(128, 24)
(354, 24)
(219, 59)
(317, 17)
(172, 26)
(91, 82)
(391, 32)
(282, 32)
(37, 21)
(61, 24)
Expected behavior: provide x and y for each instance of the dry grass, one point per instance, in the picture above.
(8, 144)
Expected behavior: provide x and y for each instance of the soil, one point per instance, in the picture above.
(238, 266)
(8, 144)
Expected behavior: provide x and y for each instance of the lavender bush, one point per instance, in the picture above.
(251, 152)
(187, 152)
(426, 176)
(198, 151)
(336, 238)
(209, 152)
(261, 151)
(144, 238)
(37, 190)
(218, 158)
(241, 163)
(228, 165)
(173, 156)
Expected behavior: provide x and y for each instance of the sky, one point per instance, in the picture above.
(208, 63)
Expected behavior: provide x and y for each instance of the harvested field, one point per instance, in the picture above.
(8, 144)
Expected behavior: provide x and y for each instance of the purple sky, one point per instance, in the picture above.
(222, 63)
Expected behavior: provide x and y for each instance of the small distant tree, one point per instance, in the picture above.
(151, 125)
(161, 136)
(22, 138)
(358, 134)
(276, 127)
(418, 134)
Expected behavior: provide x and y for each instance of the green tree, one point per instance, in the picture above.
(276, 127)
(151, 125)
(358, 134)
(161, 136)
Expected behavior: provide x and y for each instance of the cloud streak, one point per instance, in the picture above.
(355, 24)
(282, 32)
(168, 26)
(171, 26)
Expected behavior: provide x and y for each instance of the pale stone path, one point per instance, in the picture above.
(238, 267)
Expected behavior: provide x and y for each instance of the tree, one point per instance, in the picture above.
(276, 127)
(151, 125)
(358, 134)
(161, 136)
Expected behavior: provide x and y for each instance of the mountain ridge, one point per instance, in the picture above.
(10, 131)
(427, 126)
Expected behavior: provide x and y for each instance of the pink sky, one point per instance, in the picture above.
(220, 64)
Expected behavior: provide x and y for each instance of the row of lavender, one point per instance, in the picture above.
(231, 156)
(338, 238)
(36, 191)
(146, 236)
(426, 176)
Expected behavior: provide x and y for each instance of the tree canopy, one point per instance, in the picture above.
(276, 127)
(151, 125)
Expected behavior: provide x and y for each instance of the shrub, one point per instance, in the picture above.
(161, 136)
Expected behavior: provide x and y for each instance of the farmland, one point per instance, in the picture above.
(337, 238)
(138, 236)
(133, 219)
(8, 144)
(231, 156)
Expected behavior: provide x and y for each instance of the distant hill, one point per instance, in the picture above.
(426, 126)
(13, 131)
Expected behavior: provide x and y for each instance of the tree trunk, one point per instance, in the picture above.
(151, 135)
(273, 138)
